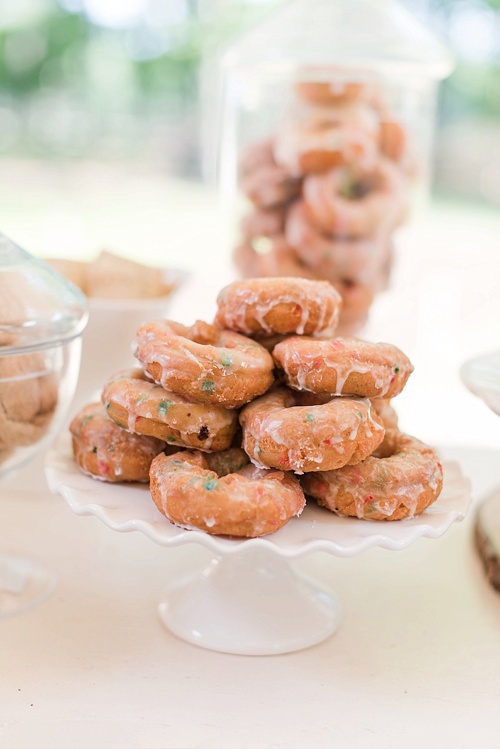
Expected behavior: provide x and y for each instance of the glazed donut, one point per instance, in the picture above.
(382, 406)
(278, 260)
(334, 258)
(279, 434)
(386, 412)
(357, 201)
(143, 407)
(269, 186)
(248, 504)
(401, 482)
(264, 222)
(262, 180)
(332, 91)
(393, 140)
(357, 299)
(278, 305)
(325, 138)
(107, 452)
(256, 154)
(343, 366)
(204, 363)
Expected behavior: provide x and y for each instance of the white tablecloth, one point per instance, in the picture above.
(416, 660)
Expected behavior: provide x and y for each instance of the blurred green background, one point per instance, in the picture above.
(118, 80)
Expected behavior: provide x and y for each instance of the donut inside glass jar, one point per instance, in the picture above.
(328, 168)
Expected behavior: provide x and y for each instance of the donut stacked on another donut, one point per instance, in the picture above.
(144, 407)
(329, 418)
(107, 452)
(231, 422)
(399, 481)
(204, 363)
(327, 191)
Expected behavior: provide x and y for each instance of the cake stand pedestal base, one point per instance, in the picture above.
(252, 603)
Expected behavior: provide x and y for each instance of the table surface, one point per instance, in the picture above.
(417, 656)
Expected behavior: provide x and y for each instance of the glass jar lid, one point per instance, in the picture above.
(38, 307)
(375, 35)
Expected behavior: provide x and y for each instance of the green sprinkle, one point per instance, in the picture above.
(94, 450)
(210, 484)
(360, 414)
(396, 369)
(310, 418)
(142, 399)
(163, 407)
(170, 438)
(226, 360)
(208, 386)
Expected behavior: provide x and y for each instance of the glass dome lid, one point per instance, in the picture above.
(38, 307)
(376, 35)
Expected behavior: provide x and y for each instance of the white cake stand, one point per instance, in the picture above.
(249, 600)
(482, 377)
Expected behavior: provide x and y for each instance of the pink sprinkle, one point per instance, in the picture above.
(316, 364)
(369, 498)
(337, 344)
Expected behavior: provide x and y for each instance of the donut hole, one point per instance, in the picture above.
(347, 283)
(389, 446)
(204, 333)
(324, 126)
(356, 188)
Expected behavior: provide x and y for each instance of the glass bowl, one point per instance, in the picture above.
(42, 317)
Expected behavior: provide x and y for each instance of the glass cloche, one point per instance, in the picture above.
(326, 126)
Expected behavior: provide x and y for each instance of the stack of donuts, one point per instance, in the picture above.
(326, 192)
(235, 422)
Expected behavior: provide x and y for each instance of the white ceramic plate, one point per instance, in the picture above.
(130, 508)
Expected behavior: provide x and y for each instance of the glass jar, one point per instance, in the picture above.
(327, 120)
